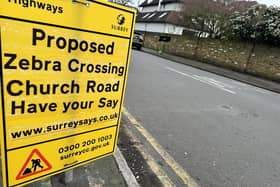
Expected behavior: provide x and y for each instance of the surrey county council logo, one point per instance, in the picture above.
(120, 22)
(121, 19)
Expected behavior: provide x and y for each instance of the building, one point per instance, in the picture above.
(163, 16)
(160, 16)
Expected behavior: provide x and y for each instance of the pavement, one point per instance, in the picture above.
(245, 78)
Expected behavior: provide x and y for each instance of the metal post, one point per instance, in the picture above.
(69, 176)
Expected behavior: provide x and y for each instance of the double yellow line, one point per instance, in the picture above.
(180, 172)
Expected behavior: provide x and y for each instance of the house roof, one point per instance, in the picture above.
(155, 2)
(171, 17)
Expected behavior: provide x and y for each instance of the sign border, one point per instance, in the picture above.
(3, 114)
(5, 173)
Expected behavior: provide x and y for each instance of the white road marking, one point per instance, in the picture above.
(206, 80)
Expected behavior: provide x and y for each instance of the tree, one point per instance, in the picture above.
(249, 26)
(204, 16)
(259, 24)
(272, 25)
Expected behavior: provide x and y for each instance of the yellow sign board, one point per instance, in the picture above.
(63, 70)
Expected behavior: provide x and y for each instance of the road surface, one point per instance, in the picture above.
(224, 133)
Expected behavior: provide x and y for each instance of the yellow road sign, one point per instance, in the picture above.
(63, 74)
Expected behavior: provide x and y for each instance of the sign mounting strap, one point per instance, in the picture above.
(76, 1)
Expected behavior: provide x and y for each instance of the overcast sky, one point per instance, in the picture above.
(270, 2)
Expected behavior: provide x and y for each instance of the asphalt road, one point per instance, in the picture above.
(224, 133)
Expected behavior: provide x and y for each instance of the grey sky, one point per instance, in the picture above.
(270, 2)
